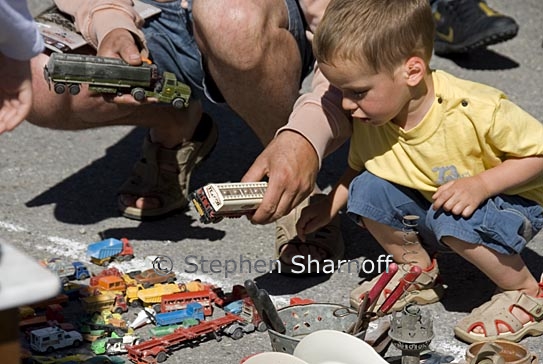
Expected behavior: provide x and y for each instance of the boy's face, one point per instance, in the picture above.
(372, 98)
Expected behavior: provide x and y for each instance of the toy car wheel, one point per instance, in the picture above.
(161, 357)
(136, 303)
(76, 343)
(49, 350)
(237, 334)
(178, 103)
(59, 88)
(138, 93)
(261, 327)
(118, 310)
(156, 308)
(74, 89)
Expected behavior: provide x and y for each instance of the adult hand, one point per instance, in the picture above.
(291, 164)
(15, 92)
(461, 196)
(120, 43)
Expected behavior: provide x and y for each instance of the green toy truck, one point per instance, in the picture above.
(113, 75)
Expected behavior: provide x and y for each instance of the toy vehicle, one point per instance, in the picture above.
(155, 350)
(53, 312)
(60, 299)
(52, 338)
(149, 277)
(158, 331)
(179, 301)
(238, 292)
(139, 296)
(104, 251)
(218, 200)
(106, 301)
(115, 344)
(65, 270)
(104, 284)
(234, 307)
(113, 75)
(193, 310)
(72, 359)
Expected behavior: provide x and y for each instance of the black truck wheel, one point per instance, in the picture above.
(138, 93)
(59, 88)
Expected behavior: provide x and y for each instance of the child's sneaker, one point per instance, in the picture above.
(426, 289)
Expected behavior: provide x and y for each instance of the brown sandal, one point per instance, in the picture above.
(169, 187)
(327, 238)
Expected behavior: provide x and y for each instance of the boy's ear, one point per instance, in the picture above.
(414, 70)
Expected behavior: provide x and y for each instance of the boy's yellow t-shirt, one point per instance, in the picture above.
(470, 128)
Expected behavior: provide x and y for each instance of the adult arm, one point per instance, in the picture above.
(317, 126)
(96, 19)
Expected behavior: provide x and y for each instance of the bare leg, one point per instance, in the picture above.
(393, 242)
(508, 272)
(169, 126)
(252, 57)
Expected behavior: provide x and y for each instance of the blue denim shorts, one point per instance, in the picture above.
(173, 48)
(503, 223)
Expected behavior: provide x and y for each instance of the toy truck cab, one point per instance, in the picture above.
(170, 90)
(194, 310)
(250, 321)
(53, 338)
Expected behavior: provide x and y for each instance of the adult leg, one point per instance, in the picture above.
(257, 64)
(252, 57)
(169, 127)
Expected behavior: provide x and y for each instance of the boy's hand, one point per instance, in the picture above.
(314, 217)
(461, 196)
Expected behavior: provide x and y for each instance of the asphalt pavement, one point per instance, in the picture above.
(58, 194)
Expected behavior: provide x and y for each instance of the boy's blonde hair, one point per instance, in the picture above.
(378, 33)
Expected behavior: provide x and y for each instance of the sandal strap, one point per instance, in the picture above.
(531, 305)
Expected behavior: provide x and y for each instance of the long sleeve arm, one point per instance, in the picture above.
(95, 19)
(19, 36)
(319, 117)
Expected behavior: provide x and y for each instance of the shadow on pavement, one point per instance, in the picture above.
(483, 59)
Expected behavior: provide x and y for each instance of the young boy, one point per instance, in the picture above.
(457, 154)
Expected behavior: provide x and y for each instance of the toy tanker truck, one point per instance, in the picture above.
(113, 75)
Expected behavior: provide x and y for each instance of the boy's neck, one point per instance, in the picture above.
(417, 108)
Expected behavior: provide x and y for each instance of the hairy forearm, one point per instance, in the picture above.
(511, 173)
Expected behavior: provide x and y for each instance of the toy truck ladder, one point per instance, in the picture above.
(155, 350)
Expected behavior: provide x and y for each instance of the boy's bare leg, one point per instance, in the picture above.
(393, 241)
(508, 272)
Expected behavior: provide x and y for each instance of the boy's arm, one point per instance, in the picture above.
(322, 212)
(96, 19)
(464, 195)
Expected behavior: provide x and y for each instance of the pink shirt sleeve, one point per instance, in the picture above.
(319, 117)
(96, 18)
